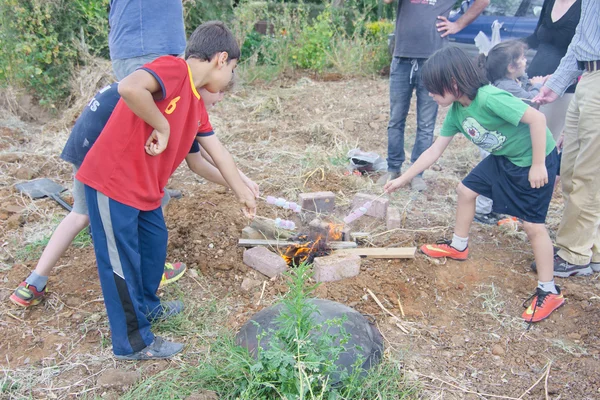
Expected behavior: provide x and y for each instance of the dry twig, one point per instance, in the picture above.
(398, 324)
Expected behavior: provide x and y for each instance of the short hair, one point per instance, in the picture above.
(209, 39)
(450, 70)
(500, 57)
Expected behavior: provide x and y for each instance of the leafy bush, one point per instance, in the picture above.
(42, 41)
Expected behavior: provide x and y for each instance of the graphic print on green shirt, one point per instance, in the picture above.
(492, 122)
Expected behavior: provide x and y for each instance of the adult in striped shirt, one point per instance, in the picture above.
(578, 236)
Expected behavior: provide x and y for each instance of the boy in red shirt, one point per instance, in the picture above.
(148, 135)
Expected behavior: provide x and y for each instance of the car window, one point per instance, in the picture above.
(533, 9)
(503, 8)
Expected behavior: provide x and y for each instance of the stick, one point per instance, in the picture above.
(467, 390)
(546, 381)
(262, 292)
(536, 382)
(400, 304)
(387, 311)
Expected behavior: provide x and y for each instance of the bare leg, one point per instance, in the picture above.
(542, 250)
(61, 239)
(465, 210)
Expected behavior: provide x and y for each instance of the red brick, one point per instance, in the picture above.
(322, 202)
(394, 219)
(377, 210)
(264, 261)
(336, 267)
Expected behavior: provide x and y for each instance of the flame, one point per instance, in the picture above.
(335, 232)
(297, 254)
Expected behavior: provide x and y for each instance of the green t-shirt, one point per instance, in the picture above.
(492, 122)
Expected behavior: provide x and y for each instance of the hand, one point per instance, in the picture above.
(157, 142)
(560, 142)
(447, 26)
(249, 203)
(250, 184)
(537, 80)
(545, 96)
(538, 176)
(394, 185)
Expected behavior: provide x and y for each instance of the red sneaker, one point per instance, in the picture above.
(26, 295)
(542, 305)
(443, 249)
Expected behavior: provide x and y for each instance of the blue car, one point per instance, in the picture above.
(519, 18)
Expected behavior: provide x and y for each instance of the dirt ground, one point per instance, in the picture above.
(465, 337)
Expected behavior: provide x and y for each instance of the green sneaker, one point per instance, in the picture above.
(26, 295)
(172, 273)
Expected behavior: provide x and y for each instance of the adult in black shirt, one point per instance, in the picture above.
(551, 38)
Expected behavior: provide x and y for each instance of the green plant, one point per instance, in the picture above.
(44, 40)
(314, 43)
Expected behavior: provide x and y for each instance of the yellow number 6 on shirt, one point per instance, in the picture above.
(172, 105)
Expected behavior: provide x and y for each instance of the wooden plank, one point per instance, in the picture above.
(381, 252)
(282, 243)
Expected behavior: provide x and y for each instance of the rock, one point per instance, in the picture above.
(118, 378)
(203, 395)
(12, 209)
(394, 220)
(498, 350)
(264, 261)
(251, 233)
(249, 284)
(379, 207)
(14, 221)
(322, 202)
(336, 267)
(24, 173)
(10, 158)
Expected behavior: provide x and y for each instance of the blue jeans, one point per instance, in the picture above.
(405, 76)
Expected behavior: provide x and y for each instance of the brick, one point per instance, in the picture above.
(251, 233)
(322, 202)
(264, 261)
(377, 210)
(394, 219)
(336, 267)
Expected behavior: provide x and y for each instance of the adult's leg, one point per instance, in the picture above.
(579, 172)
(427, 110)
(401, 89)
(152, 236)
(115, 231)
(556, 113)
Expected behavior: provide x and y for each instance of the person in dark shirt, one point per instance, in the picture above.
(551, 38)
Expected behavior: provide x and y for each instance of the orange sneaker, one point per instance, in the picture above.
(542, 305)
(443, 249)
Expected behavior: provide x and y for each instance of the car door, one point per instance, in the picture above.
(527, 18)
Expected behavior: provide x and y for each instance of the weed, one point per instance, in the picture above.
(570, 348)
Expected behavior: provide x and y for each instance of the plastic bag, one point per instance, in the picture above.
(483, 43)
(365, 161)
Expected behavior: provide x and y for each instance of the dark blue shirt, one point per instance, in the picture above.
(91, 122)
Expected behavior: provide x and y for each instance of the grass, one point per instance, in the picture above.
(33, 250)
(493, 306)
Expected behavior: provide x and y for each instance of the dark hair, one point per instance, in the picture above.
(450, 70)
(209, 39)
(495, 65)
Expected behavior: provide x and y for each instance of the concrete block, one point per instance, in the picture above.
(264, 261)
(336, 267)
(394, 219)
(377, 210)
(251, 233)
(322, 202)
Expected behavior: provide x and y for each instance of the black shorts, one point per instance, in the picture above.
(508, 186)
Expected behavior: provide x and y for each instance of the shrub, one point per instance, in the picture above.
(42, 41)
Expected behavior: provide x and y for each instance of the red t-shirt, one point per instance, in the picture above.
(118, 165)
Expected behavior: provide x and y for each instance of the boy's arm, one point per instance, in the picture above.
(200, 166)
(426, 159)
(538, 175)
(249, 182)
(138, 91)
(224, 162)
